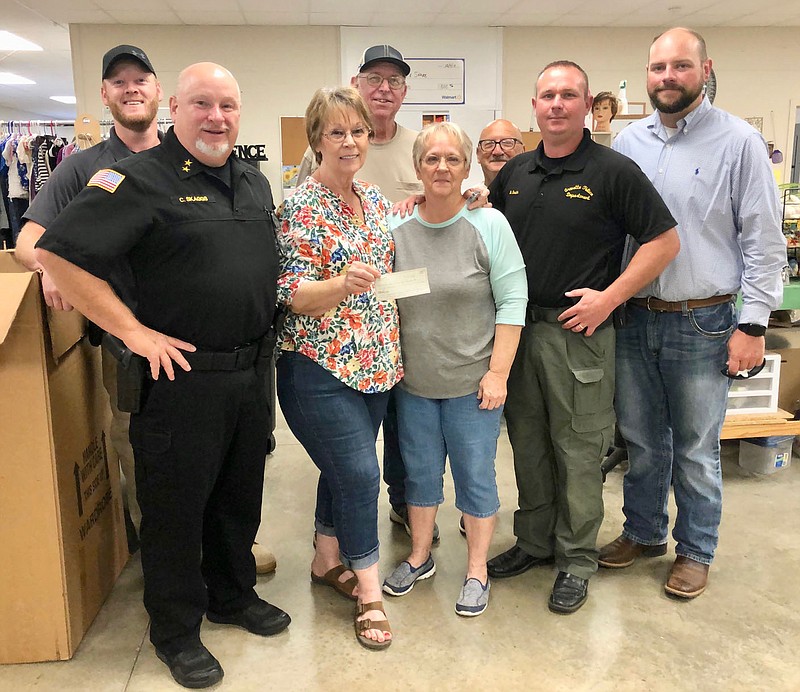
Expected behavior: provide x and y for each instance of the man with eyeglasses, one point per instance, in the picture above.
(500, 141)
(571, 204)
(381, 81)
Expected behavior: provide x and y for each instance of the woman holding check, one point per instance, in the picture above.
(340, 349)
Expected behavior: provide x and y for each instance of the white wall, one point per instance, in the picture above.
(280, 67)
(755, 68)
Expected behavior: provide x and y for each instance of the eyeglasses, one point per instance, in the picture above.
(340, 135)
(745, 373)
(507, 144)
(432, 161)
(396, 81)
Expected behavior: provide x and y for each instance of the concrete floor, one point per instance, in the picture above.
(742, 634)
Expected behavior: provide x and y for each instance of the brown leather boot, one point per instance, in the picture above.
(265, 560)
(687, 578)
(622, 552)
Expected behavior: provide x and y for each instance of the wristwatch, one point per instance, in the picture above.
(752, 329)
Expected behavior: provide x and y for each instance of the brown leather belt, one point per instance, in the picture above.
(657, 305)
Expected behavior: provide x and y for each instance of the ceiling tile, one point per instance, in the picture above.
(206, 17)
(125, 15)
(283, 18)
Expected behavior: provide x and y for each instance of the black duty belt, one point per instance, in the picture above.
(241, 358)
(539, 314)
(657, 305)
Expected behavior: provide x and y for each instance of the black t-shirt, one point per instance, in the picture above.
(571, 221)
(203, 256)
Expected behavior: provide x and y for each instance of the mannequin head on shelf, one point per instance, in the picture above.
(604, 110)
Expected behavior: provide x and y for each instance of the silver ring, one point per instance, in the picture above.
(581, 327)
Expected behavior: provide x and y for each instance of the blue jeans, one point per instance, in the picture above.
(671, 399)
(337, 426)
(433, 429)
(394, 470)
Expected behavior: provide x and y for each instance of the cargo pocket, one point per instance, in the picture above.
(593, 409)
(149, 447)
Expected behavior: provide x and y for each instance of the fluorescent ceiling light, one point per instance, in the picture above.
(10, 78)
(63, 99)
(9, 41)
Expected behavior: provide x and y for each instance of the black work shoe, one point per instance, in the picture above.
(399, 515)
(194, 668)
(569, 593)
(513, 562)
(259, 618)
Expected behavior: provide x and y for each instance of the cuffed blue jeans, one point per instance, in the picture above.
(670, 399)
(337, 426)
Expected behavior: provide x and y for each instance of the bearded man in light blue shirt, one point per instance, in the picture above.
(682, 330)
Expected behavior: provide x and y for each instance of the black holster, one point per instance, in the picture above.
(132, 370)
(269, 342)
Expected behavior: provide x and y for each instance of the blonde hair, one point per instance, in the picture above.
(327, 102)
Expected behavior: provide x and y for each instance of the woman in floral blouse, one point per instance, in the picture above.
(340, 348)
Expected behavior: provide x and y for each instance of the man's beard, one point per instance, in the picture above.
(215, 151)
(137, 123)
(686, 99)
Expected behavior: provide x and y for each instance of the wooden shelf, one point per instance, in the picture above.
(745, 425)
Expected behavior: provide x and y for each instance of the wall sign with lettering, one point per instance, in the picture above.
(435, 81)
(251, 152)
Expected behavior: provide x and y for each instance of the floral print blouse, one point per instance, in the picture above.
(320, 235)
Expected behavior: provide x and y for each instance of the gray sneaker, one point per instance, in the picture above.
(402, 580)
(399, 515)
(474, 598)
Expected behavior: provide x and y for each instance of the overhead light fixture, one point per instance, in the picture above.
(63, 99)
(11, 78)
(9, 41)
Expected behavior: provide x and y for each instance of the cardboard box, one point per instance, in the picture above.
(62, 533)
(766, 454)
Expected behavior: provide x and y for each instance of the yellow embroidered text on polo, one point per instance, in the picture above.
(579, 192)
(197, 198)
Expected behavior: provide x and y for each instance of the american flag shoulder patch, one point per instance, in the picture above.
(107, 179)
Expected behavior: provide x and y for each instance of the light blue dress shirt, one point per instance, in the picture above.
(714, 175)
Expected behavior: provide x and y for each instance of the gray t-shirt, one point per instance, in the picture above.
(477, 279)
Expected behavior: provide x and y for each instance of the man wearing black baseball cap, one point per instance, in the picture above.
(132, 93)
(381, 81)
(129, 52)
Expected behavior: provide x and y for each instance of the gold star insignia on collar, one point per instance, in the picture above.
(188, 162)
(186, 169)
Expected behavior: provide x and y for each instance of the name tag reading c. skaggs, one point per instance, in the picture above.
(411, 282)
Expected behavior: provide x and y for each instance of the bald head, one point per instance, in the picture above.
(491, 155)
(677, 70)
(205, 110)
(684, 35)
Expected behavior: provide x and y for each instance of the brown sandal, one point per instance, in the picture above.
(367, 624)
(331, 578)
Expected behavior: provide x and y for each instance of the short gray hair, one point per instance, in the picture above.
(452, 130)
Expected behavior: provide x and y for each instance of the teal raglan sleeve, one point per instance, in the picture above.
(506, 266)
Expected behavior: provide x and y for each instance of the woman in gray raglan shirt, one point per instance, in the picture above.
(458, 344)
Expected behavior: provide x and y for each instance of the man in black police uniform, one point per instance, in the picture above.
(194, 226)
(571, 204)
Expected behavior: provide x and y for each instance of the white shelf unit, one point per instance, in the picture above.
(757, 394)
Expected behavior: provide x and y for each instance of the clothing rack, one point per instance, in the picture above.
(9, 125)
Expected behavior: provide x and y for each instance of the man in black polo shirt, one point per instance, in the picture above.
(132, 93)
(194, 227)
(571, 204)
